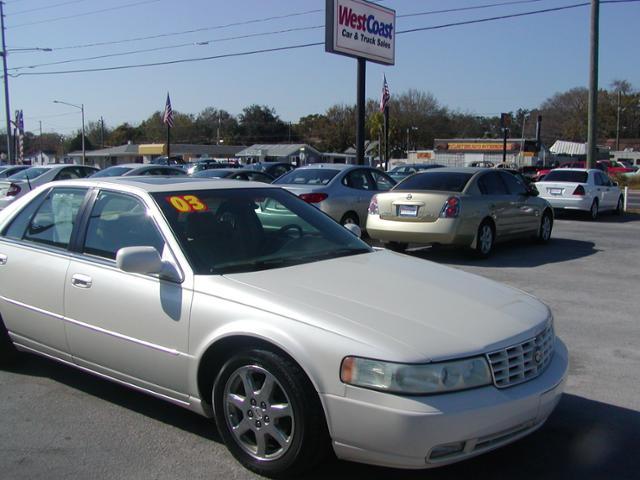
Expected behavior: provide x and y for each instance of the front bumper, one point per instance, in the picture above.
(402, 432)
(445, 231)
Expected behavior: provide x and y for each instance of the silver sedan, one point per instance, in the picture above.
(199, 293)
(341, 191)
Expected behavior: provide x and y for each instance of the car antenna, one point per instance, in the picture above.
(28, 181)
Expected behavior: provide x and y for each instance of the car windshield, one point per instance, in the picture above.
(570, 176)
(211, 173)
(228, 231)
(29, 173)
(112, 172)
(438, 181)
(307, 176)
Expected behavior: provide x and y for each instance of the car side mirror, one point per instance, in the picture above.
(146, 261)
(355, 229)
(532, 191)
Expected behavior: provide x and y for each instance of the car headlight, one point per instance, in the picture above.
(416, 379)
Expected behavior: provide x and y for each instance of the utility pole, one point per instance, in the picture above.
(101, 132)
(40, 141)
(360, 94)
(218, 130)
(592, 134)
(6, 86)
(618, 124)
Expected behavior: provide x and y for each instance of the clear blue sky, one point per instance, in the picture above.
(482, 69)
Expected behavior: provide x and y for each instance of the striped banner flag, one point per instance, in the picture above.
(167, 118)
(386, 96)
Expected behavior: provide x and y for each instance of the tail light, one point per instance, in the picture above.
(14, 190)
(373, 206)
(579, 190)
(313, 197)
(451, 208)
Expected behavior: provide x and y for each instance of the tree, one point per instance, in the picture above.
(125, 133)
(260, 124)
(74, 143)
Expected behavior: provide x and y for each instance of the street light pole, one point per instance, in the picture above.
(6, 86)
(81, 108)
(618, 124)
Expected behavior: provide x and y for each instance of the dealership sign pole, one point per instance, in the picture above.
(365, 31)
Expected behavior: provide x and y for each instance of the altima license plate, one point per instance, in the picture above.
(555, 191)
(408, 211)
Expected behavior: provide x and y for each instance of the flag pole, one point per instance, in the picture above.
(168, 142)
(386, 137)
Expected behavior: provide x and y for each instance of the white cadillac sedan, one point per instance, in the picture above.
(245, 304)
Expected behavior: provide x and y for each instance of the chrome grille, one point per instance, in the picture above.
(522, 362)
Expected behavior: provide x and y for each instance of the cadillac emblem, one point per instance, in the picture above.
(537, 356)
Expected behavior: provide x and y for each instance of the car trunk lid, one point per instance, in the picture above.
(424, 206)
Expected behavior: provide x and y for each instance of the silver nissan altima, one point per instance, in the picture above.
(245, 304)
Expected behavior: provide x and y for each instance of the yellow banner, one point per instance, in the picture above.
(152, 149)
(478, 146)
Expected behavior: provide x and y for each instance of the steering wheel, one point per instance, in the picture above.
(286, 229)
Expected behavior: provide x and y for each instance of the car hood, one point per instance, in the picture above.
(396, 306)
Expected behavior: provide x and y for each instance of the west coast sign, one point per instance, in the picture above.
(357, 28)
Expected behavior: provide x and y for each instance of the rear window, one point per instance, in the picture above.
(307, 176)
(112, 172)
(439, 181)
(570, 176)
(30, 173)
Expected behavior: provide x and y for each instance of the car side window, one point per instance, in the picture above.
(280, 170)
(68, 173)
(84, 172)
(515, 186)
(15, 230)
(491, 184)
(598, 179)
(118, 220)
(54, 219)
(359, 180)
(383, 182)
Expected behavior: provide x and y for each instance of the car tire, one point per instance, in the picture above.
(485, 239)
(350, 217)
(264, 441)
(396, 246)
(8, 353)
(620, 206)
(594, 210)
(546, 226)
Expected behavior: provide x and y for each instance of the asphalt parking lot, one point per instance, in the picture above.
(61, 423)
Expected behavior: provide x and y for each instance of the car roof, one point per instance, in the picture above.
(471, 170)
(577, 169)
(333, 166)
(158, 183)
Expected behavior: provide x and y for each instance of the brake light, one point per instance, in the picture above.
(14, 190)
(313, 197)
(451, 208)
(373, 206)
(579, 190)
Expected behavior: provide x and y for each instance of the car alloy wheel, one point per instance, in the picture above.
(350, 217)
(258, 413)
(594, 210)
(269, 414)
(546, 225)
(485, 239)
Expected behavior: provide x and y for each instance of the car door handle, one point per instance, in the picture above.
(81, 281)
(3, 259)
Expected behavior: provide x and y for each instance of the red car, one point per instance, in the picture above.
(612, 167)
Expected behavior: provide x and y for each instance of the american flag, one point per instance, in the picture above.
(384, 99)
(168, 113)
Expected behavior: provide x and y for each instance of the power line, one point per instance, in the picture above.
(104, 10)
(47, 7)
(168, 47)
(186, 32)
(306, 45)
(462, 9)
(513, 15)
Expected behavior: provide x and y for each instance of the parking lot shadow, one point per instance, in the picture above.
(516, 254)
(583, 439)
(628, 217)
(116, 394)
